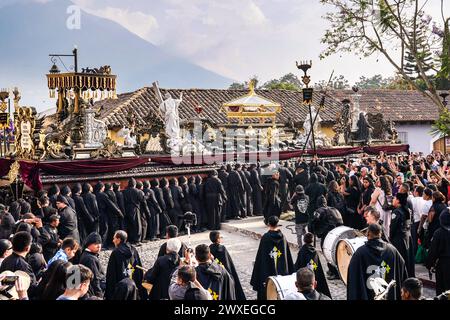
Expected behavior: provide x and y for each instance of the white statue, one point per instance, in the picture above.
(129, 141)
(169, 109)
(307, 123)
(95, 130)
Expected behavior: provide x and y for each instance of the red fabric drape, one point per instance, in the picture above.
(375, 150)
(29, 171)
(79, 167)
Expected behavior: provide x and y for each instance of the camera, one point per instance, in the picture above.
(190, 219)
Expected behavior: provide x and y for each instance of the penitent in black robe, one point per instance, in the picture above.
(308, 257)
(222, 257)
(272, 259)
(375, 259)
(123, 264)
(439, 257)
(216, 280)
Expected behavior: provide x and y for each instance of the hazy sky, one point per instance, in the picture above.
(240, 38)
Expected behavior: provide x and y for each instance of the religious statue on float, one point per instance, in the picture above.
(169, 109)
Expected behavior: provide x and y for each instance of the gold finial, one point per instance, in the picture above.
(252, 86)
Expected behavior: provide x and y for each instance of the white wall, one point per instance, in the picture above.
(419, 137)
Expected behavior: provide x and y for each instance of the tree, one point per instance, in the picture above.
(375, 82)
(368, 27)
(287, 82)
(338, 83)
(244, 85)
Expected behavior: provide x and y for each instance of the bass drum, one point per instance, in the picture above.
(332, 239)
(345, 250)
(278, 287)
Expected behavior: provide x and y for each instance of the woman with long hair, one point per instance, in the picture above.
(352, 196)
(380, 198)
(368, 188)
(335, 198)
(56, 284)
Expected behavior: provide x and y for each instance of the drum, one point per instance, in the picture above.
(278, 287)
(332, 239)
(344, 252)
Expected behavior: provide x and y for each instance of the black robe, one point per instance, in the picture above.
(439, 258)
(162, 218)
(177, 210)
(223, 176)
(272, 204)
(109, 217)
(285, 178)
(68, 226)
(215, 196)
(216, 280)
(375, 254)
(85, 220)
(161, 274)
(222, 257)
(155, 210)
(400, 237)
(122, 264)
(308, 257)
(121, 205)
(236, 190)
(257, 190)
(91, 204)
(272, 259)
(246, 195)
(98, 283)
(133, 198)
(126, 290)
(49, 241)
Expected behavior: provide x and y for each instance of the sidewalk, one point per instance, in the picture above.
(255, 228)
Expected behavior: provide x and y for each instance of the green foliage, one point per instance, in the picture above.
(236, 86)
(287, 82)
(442, 126)
(338, 83)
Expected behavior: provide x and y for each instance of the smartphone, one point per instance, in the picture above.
(9, 280)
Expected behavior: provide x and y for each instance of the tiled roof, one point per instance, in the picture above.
(396, 105)
(143, 102)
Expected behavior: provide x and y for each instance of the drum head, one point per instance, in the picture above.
(344, 252)
(272, 290)
(332, 239)
(278, 287)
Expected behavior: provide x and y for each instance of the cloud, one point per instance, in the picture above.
(137, 22)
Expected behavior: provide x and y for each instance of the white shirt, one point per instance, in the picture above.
(418, 205)
(426, 207)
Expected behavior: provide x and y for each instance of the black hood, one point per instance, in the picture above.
(313, 178)
(76, 188)
(125, 250)
(131, 183)
(154, 183)
(54, 189)
(212, 269)
(65, 190)
(377, 246)
(86, 187)
(276, 236)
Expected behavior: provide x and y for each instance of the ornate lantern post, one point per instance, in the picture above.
(308, 96)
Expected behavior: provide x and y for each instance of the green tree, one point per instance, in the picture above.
(375, 82)
(337, 82)
(389, 28)
(287, 82)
